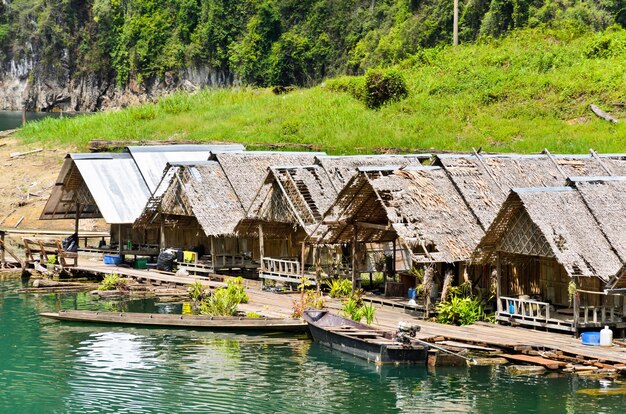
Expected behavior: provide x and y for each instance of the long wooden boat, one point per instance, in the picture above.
(181, 321)
(362, 340)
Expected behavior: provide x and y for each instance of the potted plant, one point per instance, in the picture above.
(52, 260)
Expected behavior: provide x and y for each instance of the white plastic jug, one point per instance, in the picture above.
(606, 337)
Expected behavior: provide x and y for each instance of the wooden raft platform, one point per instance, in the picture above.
(157, 278)
(514, 339)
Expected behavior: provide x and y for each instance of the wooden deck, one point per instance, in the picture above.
(505, 337)
(151, 276)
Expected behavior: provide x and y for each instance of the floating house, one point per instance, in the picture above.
(291, 203)
(558, 254)
(198, 205)
(117, 186)
(416, 209)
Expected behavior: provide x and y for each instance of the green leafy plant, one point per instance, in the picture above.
(112, 281)
(224, 301)
(355, 309)
(236, 288)
(52, 259)
(253, 315)
(571, 291)
(367, 312)
(462, 308)
(220, 303)
(339, 288)
(197, 292)
(382, 87)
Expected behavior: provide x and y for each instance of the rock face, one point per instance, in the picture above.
(26, 85)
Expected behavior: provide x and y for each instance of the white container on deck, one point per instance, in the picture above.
(606, 337)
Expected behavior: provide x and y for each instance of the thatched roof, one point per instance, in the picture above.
(606, 199)
(295, 196)
(555, 223)
(341, 169)
(419, 205)
(246, 171)
(199, 190)
(485, 180)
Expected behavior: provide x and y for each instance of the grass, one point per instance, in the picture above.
(528, 91)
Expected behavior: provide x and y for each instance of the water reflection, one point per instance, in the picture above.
(88, 368)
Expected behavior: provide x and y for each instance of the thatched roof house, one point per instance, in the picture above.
(419, 206)
(546, 240)
(290, 198)
(195, 191)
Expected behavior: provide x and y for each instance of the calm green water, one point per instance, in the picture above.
(52, 367)
(11, 119)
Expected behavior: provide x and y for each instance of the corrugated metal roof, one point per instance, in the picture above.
(116, 186)
(152, 160)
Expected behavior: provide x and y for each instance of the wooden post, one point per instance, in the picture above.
(302, 258)
(455, 24)
(119, 237)
(261, 247)
(212, 238)
(162, 233)
(23, 116)
(354, 271)
(498, 282)
(393, 259)
(2, 258)
(576, 310)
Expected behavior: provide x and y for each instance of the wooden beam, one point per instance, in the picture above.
(373, 226)
(601, 114)
(354, 241)
(498, 281)
(261, 247)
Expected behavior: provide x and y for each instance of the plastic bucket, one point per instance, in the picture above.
(112, 260)
(141, 263)
(412, 293)
(590, 338)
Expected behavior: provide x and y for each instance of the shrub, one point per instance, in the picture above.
(220, 303)
(112, 281)
(462, 309)
(237, 290)
(197, 293)
(354, 85)
(382, 87)
(355, 309)
(339, 288)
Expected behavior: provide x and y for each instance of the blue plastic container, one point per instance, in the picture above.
(112, 259)
(511, 307)
(590, 338)
(412, 294)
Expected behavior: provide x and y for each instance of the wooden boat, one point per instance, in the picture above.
(162, 320)
(362, 340)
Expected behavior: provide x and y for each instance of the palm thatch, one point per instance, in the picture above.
(341, 169)
(198, 190)
(485, 180)
(247, 171)
(291, 196)
(418, 205)
(551, 223)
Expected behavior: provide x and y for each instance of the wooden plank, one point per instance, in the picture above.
(548, 363)
(457, 344)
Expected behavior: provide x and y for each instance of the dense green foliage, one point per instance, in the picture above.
(263, 42)
(462, 308)
(521, 93)
(224, 301)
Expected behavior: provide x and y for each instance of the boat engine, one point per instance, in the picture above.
(406, 331)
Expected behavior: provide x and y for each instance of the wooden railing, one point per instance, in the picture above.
(524, 308)
(281, 267)
(599, 314)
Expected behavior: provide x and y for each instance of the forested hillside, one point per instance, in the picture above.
(97, 46)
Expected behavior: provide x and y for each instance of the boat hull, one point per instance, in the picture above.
(372, 345)
(181, 321)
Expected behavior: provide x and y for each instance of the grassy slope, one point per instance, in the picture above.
(519, 94)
